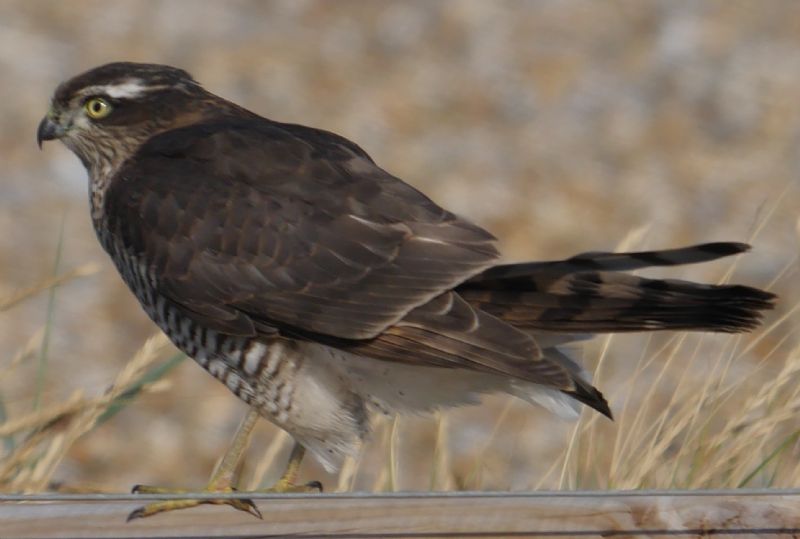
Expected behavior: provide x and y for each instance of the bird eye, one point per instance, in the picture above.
(97, 108)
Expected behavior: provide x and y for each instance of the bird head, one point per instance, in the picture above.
(105, 114)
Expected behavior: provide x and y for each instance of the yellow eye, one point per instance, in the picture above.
(97, 108)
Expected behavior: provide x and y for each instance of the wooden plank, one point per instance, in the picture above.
(541, 514)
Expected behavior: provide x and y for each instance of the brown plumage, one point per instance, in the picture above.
(314, 283)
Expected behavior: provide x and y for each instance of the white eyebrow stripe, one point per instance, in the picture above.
(129, 89)
(133, 88)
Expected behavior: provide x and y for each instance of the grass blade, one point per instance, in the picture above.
(41, 369)
(777, 451)
(152, 375)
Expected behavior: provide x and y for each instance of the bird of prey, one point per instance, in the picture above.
(321, 289)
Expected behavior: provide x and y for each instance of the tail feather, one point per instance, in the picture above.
(603, 261)
(560, 297)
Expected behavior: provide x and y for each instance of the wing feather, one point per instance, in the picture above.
(282, 225)
(449, 332)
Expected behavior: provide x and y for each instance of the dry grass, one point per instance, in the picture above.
(12, 299)
(716, 429)
(36, 442)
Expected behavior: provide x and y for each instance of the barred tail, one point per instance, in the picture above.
(586, 293)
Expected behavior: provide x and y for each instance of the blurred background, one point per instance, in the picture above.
(560, 126)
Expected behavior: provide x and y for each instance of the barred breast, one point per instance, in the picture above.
(291, 383)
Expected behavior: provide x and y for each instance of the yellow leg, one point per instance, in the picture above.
(287, 481)
(224, 479)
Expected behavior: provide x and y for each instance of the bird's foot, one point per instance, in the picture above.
(226, 476)
(242, 504)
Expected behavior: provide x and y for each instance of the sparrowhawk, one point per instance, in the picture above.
(321, 289)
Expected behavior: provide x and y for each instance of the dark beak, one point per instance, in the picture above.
(48, 130)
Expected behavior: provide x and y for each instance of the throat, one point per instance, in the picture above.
(99, 180)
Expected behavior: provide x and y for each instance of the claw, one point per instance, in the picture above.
(316, 485)
(246, 505)
(136, 513)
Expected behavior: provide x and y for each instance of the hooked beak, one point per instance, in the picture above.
(49, 129)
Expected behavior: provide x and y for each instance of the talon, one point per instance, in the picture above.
(248, 506)
(136, 513)
(315, 485)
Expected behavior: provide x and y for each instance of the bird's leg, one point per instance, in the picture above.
(287, 481)
(222, 480)
(225, 476)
